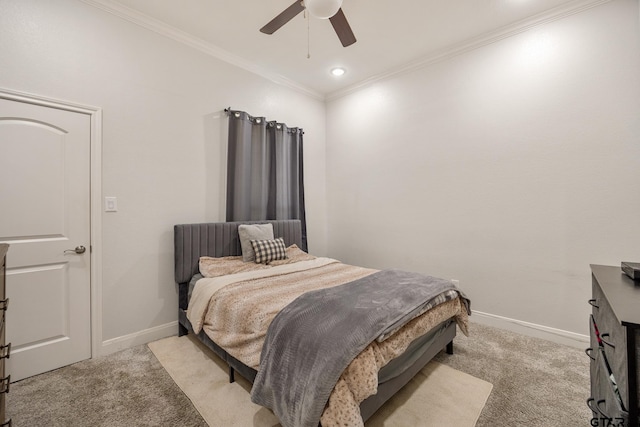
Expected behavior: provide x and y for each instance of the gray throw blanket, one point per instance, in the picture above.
(314, 338)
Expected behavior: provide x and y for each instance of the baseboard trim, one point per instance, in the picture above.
(138, 338)
(519, 326)
(559, 336)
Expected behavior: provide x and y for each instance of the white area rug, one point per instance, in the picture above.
(437, 396)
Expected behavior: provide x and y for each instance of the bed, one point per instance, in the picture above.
(193, 241)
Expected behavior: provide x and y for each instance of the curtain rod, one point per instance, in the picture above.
(228, 110)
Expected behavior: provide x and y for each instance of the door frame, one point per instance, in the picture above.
(95, 197)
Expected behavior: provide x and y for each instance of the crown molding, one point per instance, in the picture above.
(161, 28)
(560, 12)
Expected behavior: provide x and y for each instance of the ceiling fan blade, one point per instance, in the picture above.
(287, 15)
(343, 30)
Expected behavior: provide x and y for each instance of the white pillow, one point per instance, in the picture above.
(249, 232)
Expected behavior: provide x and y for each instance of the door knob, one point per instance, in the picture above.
(78, 250)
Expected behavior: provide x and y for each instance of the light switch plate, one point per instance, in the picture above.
(110, 204)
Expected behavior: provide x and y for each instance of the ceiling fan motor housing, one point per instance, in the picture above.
(323, 9)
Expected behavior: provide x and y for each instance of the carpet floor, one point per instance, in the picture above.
(127, 388)
(535, 383)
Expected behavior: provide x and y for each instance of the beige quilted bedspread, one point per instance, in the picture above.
(235, 312)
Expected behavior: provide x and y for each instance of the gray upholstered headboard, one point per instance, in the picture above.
(218, 239)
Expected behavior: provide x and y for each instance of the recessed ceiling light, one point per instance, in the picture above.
(338, 71)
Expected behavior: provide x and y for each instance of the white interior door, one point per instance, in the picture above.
(44, 217)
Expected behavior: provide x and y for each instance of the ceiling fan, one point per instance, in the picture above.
(323, 9)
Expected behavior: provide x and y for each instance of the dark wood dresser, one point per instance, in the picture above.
(615, 348)
(4, 349)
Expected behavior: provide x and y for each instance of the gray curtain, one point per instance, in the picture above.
(265, 178)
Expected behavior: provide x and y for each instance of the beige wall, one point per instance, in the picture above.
(510, 168)
(163, 154)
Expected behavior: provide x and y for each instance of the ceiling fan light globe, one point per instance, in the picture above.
(323, 9)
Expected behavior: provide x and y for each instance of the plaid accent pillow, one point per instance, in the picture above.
(269, 250)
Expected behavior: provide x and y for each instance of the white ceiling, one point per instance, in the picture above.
(391, 34)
